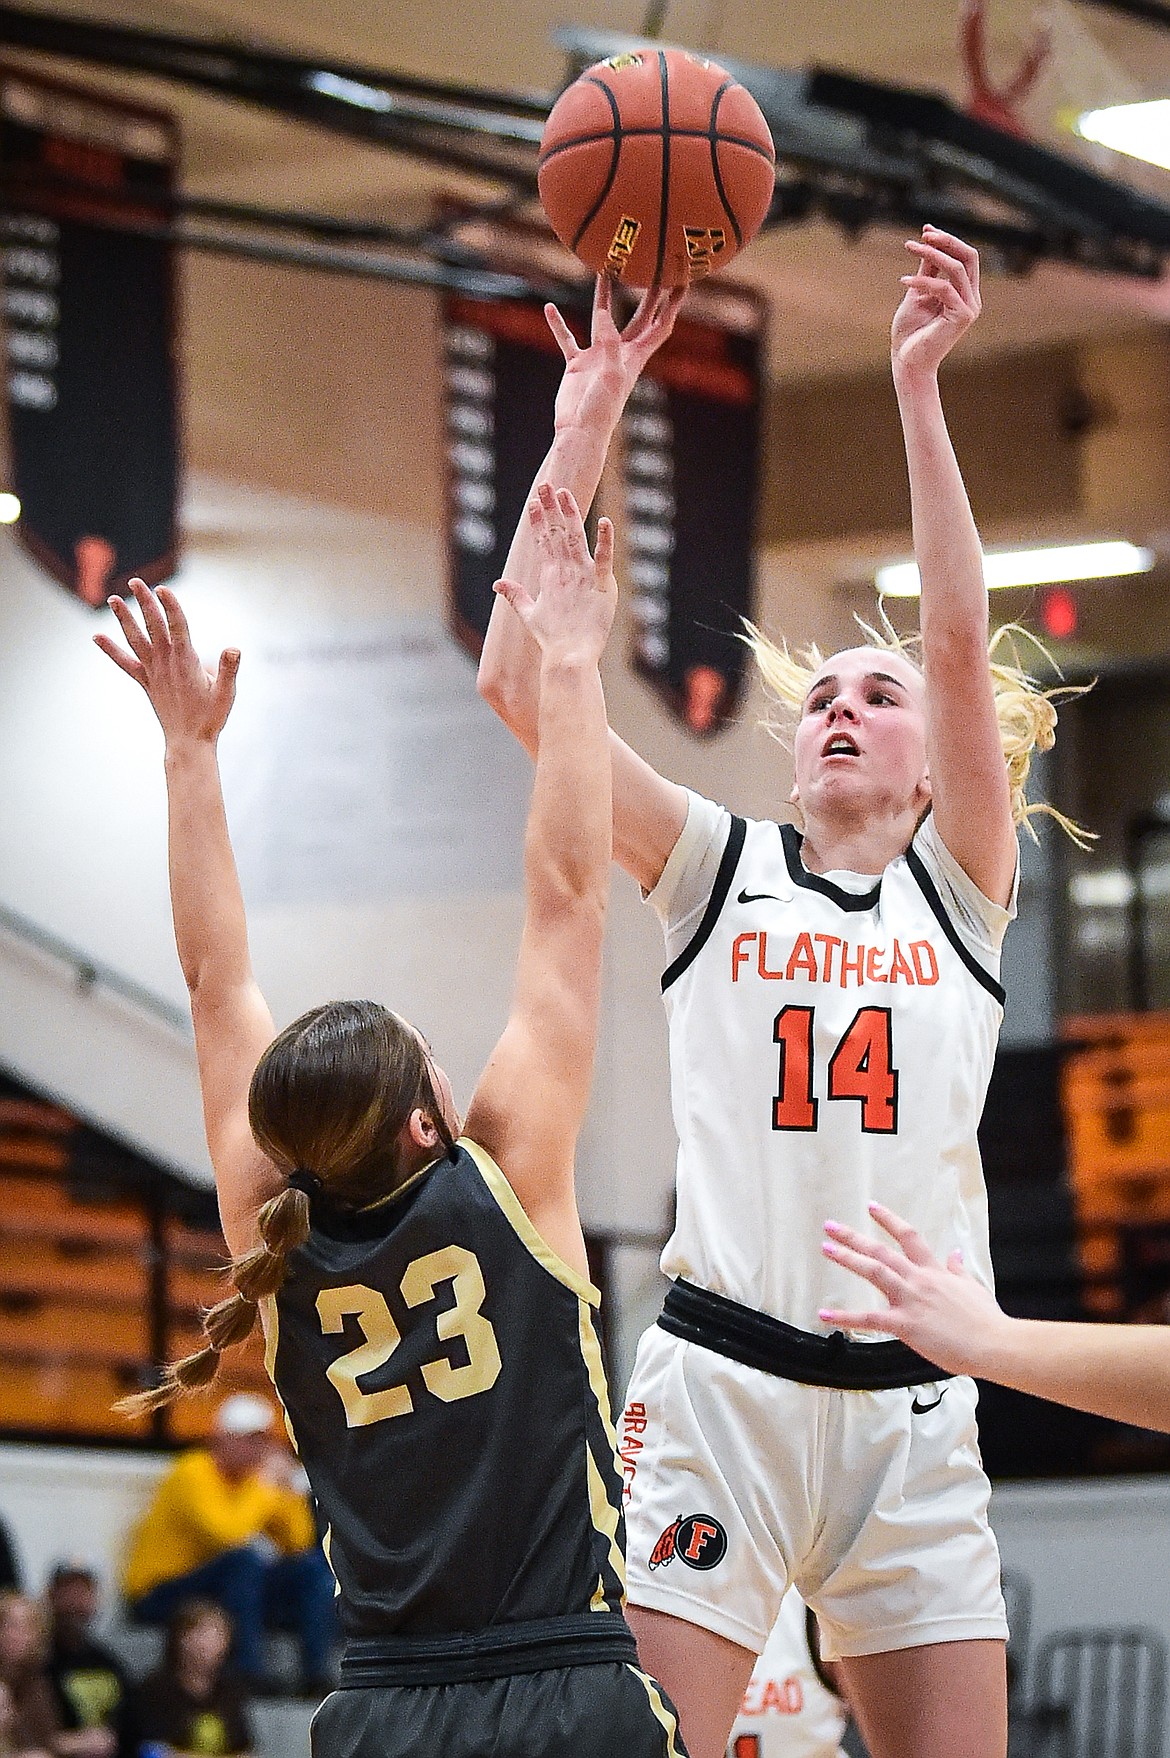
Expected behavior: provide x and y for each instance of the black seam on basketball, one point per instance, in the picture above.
(733, 140)
(713, 135)
(664, 79)
(616, 137)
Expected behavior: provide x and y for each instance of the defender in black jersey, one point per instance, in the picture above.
(425, 1300)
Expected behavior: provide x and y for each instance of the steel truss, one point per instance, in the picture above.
(852, 151)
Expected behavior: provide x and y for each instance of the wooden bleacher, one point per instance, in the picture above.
(87, 1280)
(1116, 1096)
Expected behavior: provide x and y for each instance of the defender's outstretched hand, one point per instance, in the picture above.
(1118, 1371)
(573, 614)
(940, 304)
(599, 378)
(942, 1312)
(191, 701)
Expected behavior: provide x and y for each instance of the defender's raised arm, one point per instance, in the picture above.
(531, 1099)
(649, 811)
(233, 1026)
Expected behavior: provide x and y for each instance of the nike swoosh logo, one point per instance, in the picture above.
(921, 1409)
(757, 897)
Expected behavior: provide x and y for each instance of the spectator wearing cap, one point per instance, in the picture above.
(229, 1524)
(89, 1684)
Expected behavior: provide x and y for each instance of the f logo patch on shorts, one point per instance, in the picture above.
(698, 1540)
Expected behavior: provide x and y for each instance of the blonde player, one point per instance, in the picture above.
(833, 1002)
(790, 1708)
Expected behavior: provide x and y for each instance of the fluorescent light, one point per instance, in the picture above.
(1032, 567)
(9, 509)
(350, 91)
(1141, 130)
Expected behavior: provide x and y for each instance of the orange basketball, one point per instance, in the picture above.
(656, 167)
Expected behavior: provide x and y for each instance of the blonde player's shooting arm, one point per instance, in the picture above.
(969, 784)
(1118, 1371)
(232, 1023)
(530, 1102)
(649, 812)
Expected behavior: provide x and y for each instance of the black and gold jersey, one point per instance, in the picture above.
(443, 1384)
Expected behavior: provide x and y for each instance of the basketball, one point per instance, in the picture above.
(656, 167)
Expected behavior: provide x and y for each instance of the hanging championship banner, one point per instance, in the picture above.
(88, 316)
(690, 461)
(502, 368)
(690, 468)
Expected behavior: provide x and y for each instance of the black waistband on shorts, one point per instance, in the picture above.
(498, 1653)
(758, 1340)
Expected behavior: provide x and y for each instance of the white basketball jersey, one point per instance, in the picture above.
(831, 1041)
(788, 1711)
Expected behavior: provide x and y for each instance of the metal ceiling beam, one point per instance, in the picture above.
(426, 119)
(855, 151)
(888, 153)
(1148, 11)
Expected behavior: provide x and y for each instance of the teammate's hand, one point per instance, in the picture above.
(941, 1311)
(573, 613)
(192, 702)
(940, 304)
(599, 378)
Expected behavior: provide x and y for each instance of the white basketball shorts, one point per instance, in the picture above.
(872, 1504)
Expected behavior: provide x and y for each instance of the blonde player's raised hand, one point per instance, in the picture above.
(939, 1310)
(192, 701)
(573, 613)
(940, 304)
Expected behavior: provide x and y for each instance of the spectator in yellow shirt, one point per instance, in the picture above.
(227, 1524)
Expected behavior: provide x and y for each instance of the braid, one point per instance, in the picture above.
(283, 1224)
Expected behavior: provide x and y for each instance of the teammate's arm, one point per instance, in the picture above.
(233, 1026)
(649, 812)
(1120, 1371)
(968, 776)
(530, 1102)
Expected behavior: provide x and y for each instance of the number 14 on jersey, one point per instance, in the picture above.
(861, 1068)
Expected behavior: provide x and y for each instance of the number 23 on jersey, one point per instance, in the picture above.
(381, 1337)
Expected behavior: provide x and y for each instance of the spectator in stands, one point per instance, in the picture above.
(89, 1684)
(9, 1569)
(30, 1717)
(229, 1523)
(190, 1704)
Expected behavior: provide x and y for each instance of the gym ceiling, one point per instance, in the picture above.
(860, 159)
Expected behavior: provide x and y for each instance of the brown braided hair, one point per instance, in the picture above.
(327, 1105)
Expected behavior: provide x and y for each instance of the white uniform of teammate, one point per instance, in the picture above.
(831, 1041)
(788, 1711)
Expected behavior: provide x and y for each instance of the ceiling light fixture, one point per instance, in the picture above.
(350, 91)
(1032, 567)
(1141, 130)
